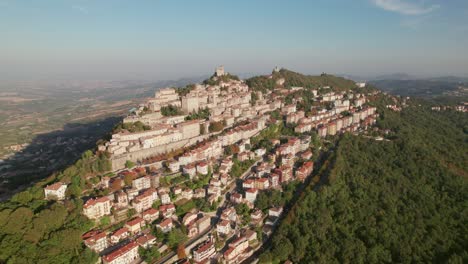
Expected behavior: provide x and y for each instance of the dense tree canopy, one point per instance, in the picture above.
(402, 200)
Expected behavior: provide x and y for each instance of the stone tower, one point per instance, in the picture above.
(220, 71)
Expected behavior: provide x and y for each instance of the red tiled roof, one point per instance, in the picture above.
(145, 239)
(251, 190)
(204, 247)
(224, 223)
(150, 211)
(94, 201)
(166, 222)
(119, 252)
(120, 232)
(94, 238)
(54, 187)
(135, 221)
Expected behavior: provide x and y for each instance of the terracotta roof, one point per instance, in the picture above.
(135, 221)
(145, 239)
(224, 223)
(55, 186)
(150, 211)
(204, 247)
(119, 252)
(120, 232)
(166, 222)
(94, 238)
(251, 190)
(94, 201)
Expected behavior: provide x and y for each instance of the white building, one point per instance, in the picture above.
(55, 191)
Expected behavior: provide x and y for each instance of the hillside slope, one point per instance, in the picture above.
(400, 201)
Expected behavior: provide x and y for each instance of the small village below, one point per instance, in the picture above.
(204, 173)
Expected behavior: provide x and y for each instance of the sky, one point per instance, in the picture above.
(170, 39)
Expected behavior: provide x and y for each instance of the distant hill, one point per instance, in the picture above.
(421, 88)
(292, 79)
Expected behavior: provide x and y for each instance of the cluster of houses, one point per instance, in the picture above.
(459, 108)
(228, 101)
(344, 116)
(136, 199)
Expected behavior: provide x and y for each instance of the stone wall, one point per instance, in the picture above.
(118, 162)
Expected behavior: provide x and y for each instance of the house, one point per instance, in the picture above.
(214, 190)
(224, 178)
(202, 168)
(122, 199)
(165, 198)
(166, 225)
(275, 211)
(186, 193)
(203, 223)
(249, 234)
(274, 179)
(189, 218)
(305, 155)
(96, 241)
(256, 216)
(236, 248)
(236, 198)
(192, 230)
(142, 183)
(150, 215)
(146, 240)
(55, 191)
(287, 159)
(304, 171)
(251, 194)
(134, 226)
(145, 200)
(243, 156)
(286, 173)
(123, 255)
(174, 165)
(248, 184)
(132, 193)
(262, 184)
(167, 210)
(260, 152)
(203, 251)
(119, 235)
(104, 182)
(177, 190)
(199, 193)
(190, 170)
(229, 214)
(96, 208)
(322, 131)
(223, 227)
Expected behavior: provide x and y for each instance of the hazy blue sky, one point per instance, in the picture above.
(165, 39)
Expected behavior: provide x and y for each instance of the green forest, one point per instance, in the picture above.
(398, 201)
(34, 230)
(294, 79)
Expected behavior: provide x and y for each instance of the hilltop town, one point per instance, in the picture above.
(202, 174)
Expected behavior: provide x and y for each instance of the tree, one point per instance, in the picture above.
(216, 126)
(116, 185)
(131, 212)
(150, 254)
(129, 164)
(181, 251)
(128, 179)
(104, 221)
(175, 237)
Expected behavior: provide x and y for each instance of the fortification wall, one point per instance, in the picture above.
(118, 162)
